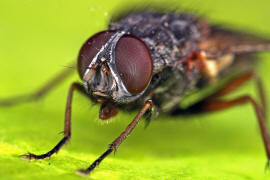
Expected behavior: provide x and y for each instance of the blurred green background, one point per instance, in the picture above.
(40, 38)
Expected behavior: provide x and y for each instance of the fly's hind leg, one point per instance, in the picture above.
(215, 102)
(67, 129)
(39, 93)
(217, 105)
(238, 82)
(231, 86)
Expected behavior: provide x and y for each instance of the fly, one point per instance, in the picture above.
(151, 61)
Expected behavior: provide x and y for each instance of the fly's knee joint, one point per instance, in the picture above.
(149, 103)
(113, 147)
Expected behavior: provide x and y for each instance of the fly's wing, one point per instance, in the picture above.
(222, 40)
(217, 43)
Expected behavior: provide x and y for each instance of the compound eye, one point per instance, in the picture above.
(90, 49)
(133, 63)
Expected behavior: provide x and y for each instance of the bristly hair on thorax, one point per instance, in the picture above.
(171, 38)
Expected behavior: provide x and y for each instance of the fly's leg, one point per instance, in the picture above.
(216, 103)
(238, 82)
(67, 130)
(38, 94)
(231, 86)
(114, 145)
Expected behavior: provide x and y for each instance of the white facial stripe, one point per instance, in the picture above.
(88, 76)
(114, 37)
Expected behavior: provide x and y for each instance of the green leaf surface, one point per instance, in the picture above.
(40, 38)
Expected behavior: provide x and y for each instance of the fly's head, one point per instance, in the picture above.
(115, 65)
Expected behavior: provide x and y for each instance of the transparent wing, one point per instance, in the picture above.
(223, 40)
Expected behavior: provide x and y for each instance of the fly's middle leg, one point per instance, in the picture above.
(39, 93)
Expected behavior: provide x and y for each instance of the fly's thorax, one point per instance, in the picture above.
(116, 65)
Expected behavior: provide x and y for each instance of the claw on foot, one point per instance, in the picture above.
(31, 156)
(28, 157)
(82, 172)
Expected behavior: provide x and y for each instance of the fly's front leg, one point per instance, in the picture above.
(41, 92)
(67, 130)
(114, 145)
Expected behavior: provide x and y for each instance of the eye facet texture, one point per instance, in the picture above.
(133, 63)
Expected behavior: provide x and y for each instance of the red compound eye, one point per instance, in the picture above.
(134, 63)
(90, 49)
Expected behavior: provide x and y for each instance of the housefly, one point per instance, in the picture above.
(151, 61)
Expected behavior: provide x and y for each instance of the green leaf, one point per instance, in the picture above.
(40, 38)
